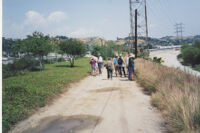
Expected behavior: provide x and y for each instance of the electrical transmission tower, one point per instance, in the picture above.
(179, 32)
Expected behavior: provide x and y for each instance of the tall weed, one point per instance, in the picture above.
(174, 92)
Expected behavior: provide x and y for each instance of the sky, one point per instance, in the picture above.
(103, 18)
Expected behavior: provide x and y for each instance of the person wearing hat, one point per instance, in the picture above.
(100, 63)
(131, 66)
(93, 65)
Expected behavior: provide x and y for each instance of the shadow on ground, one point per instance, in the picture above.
(67, 66)
(105, 89)
(61, 124)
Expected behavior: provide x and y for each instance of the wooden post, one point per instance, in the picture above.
(135, 33)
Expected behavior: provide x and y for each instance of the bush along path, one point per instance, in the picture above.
(96, 105)
(174, 92)
(23, 94)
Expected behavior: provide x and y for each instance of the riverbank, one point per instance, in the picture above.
(170, 60)
(23, 94)
(174, 92)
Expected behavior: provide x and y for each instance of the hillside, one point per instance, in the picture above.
(186, 39)
(90, 41)
(93, 41)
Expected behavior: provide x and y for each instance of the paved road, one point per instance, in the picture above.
(96, 105)
(170, 58)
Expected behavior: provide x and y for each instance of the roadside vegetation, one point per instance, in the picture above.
(33, 78)
(174, 92)
(190, 55)
(110, 49)
(32, 52)
(24, 93)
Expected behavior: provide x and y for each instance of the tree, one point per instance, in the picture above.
(73, 48)
(190, 55)
(39, 45)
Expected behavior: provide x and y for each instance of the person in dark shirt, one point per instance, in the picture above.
(109, 65)
(121, 64)
(131, 66)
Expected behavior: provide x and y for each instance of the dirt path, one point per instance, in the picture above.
(96, 105)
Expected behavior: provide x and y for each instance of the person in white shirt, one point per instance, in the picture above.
(100, 63)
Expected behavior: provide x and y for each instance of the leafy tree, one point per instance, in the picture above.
(190, 55)
(19, 48)
(73, 48)
(197, 44)
(39, 45)
(55, 46)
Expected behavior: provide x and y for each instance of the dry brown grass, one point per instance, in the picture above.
(174, 92)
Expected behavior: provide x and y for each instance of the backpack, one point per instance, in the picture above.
(120, 61)
(131, 62)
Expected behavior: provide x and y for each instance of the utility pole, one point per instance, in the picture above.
(131, 22)
(135, 33)
(146, 27)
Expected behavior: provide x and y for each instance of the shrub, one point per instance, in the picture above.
(197, 67)
(27, 62)
(6, 71)
(20, 67)
(61, 59)
(191, 54)
(157, 60)
(179, 56)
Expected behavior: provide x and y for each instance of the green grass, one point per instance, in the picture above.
(23, 94)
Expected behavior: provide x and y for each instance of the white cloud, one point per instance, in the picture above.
(57, 17)
(37, 19)
(53, 23)
(34, 18)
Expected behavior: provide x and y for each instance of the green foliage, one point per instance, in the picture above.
(191, 54)
(39, 45)
(157, 60)
(73, 48)
(20, 67)
(197, 67)
(7, 45)
(6, 70)
(23, 94)
(179, 56)
(109, 49)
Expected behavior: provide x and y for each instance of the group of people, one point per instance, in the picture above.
(121, 66)
(96, 64)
